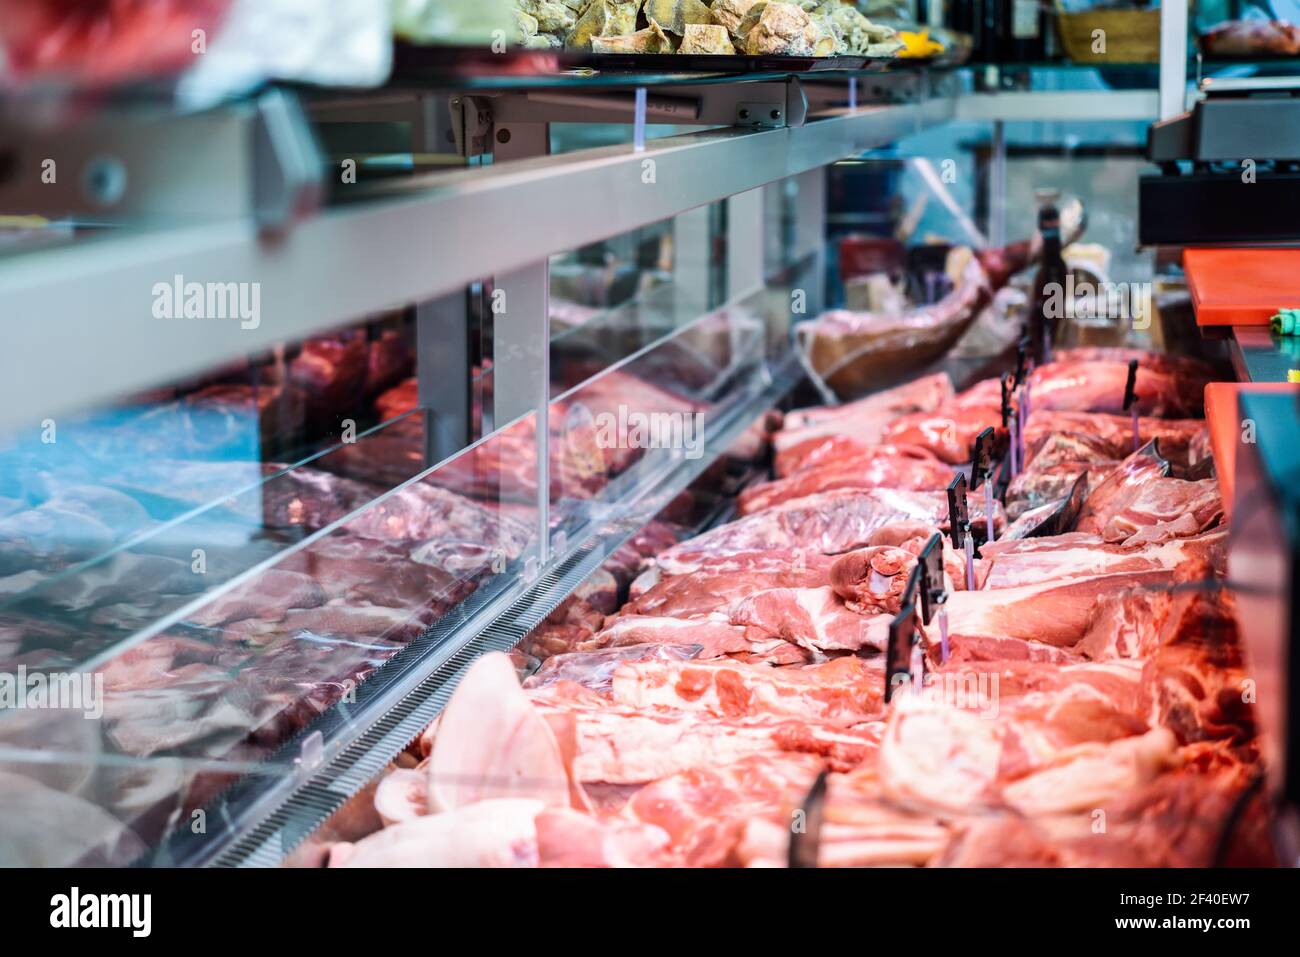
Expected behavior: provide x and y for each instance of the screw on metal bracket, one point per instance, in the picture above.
(763, 115)
(104, 180)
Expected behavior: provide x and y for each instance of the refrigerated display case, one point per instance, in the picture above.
(315, 400)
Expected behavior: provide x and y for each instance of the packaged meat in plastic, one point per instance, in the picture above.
(595, 669)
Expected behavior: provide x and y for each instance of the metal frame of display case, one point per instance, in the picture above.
(423, 239)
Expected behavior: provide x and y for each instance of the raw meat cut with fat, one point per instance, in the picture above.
(830, 523)
(865, 418)
(837, 449)
(1113, 434)
(813, 618)
(871, 581)
(492, 743)
(1098, 386)
(1010, 564)
(843, 692)
(872, 472)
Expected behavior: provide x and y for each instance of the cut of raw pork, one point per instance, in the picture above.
(1042, 754)
(705, 591)
(830, 523)
(1165, 509)
(838, 449)
(1055, 613)
(1111, 496)
(1156, 361)
(813, 618)
(871, 581)
(1010, 564)
(619, 745)
(948, 432)
(1112, 435)
(898, 472)
(1098, 386)
(1052, 473)
(840, 693)
(492, 743)
(707, 810)
(867, 417)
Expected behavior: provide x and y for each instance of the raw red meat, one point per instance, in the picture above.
(949, 431)
(865, 418)
(1052, 473)
(836, 449)
(1156, 361)
(707, 810)
(1053, 612)
(1164, 509)
(813, 618)
(843, 692)
(1099, 387)
(1010, 564)
(830, 523)
(871, 581)
(901, 472)
(1111, 496)
(1112, 435)
(686, 596)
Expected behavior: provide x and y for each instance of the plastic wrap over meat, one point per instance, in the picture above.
(595, 669)
(829, 523)
(1112, 435)
(870, 471)
(1112, 496)
(1053, 471)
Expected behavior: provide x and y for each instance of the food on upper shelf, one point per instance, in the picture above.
(603, 18)
(1247, 38)
(706, 38)
(650, 40)
(918, 44)
(756, 27)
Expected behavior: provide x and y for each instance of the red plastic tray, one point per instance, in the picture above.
(1242, 287)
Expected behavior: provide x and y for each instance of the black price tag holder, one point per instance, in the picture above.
(959, 525)
(981, 471)
(1010, 422)
(934, 595)
(1130, 402)
(806, 841)
(902, 664)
